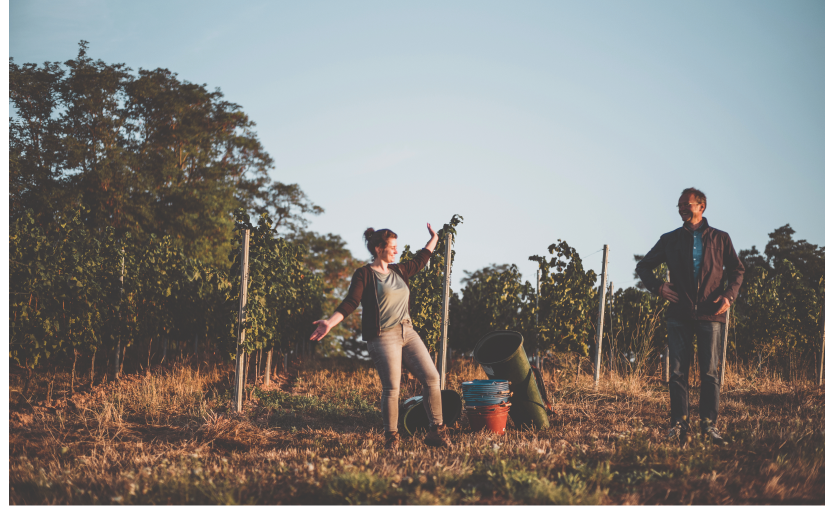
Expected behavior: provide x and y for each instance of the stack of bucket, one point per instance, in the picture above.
(486, 404)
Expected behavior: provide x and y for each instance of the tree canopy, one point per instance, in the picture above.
(145, 153)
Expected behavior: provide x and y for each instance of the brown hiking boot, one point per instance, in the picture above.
(437, 436)
(391, 440)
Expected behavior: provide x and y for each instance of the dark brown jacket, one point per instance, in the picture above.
(719, 262)
(363, 290)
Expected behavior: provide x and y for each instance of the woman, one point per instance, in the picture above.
(383, 289)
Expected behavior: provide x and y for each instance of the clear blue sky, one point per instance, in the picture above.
(533, 120)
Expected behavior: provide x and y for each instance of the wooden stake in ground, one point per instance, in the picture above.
(74, 366)
(666, 357)
(612, 339)
(268, 371)
(538, 354)
(92, 370)
(117, 347)
(237, 396)
(445, 310)
(822, 342)
(598, 358)
(725, 346)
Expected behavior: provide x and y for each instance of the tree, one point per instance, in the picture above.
(329, 258)
(783, 313)
(426, 288)
(638, 323)
(566, 299)
(283, 296)
(781, 299)
(145, 153)
(493, 298)
(807, 258)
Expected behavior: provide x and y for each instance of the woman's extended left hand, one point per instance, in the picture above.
(433, 232)
(434, 238)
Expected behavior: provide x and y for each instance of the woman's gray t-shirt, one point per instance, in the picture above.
(393, 295)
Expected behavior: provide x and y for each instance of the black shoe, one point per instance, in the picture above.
(437, 436)
(391, 440)
(679, 432)
(711, 432)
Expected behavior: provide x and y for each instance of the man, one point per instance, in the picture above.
(700, 259)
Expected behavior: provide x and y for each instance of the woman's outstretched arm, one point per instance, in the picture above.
(347, 306)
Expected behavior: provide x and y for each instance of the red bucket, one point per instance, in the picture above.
(493, 418)
(494, 408)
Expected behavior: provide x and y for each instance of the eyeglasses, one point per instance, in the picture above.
(689, 204)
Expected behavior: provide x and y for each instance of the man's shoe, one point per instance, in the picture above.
(711, 432)
(437, 436)
(391, 440)
(679, 433)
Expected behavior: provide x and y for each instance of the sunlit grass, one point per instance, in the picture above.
(169, 437)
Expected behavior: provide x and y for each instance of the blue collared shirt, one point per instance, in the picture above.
(697, 253)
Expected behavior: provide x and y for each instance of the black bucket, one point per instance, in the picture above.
(413, 417)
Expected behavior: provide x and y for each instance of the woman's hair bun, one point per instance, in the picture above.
(374, 239)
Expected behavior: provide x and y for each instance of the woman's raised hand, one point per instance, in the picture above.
(434, 238)
(433, 232)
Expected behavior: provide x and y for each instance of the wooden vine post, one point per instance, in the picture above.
(611, 341)
(601, 313)
(445, 309)
(725, 346)
(822, 342)
(666, 358)
(238, 393)
(117, 348)
(538, 353)
(268, 372)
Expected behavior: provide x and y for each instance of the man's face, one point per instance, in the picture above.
(689, 209)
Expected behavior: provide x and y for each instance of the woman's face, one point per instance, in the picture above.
(389, 252)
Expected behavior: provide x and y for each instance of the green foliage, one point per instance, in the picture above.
(783, 312)
(426, 288)
(356, 488)
(67, 294)
(284, 296)
(144, 153)
(637, 325)
(61, 289)
(344, 406)
(506, 477)
(566, 298)
(779, 312)
(496, 298)
(493, 298)
(329, 258)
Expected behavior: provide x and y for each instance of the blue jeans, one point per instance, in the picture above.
(680, 354)
(401, 344)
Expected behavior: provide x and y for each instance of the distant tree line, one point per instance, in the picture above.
(114, 171)
(142, 173)
(777, 317)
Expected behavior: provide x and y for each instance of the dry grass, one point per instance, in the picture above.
(168, 438)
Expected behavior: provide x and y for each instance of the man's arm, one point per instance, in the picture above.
(734, 270)
(645, 267)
